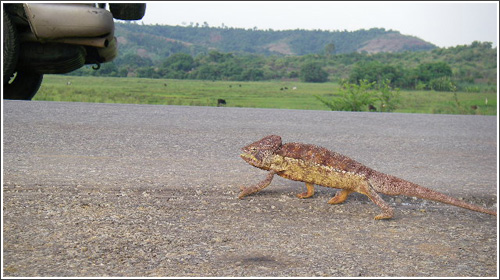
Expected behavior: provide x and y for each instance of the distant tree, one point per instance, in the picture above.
(313, 72)
(329, 49)
(482, 45)
(179, 62)
(375, 71)
(177, 66)
(206, 72)
(216, 56)
(230, 70)
(434, 70)
(133, 60)
(147, 72)
(109, 69)
(252, 74)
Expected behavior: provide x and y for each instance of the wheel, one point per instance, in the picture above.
(23, 86)
(10, 47)
(128, 11)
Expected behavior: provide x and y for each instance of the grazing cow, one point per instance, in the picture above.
(294, 88)
(474, 107)
(221, 102)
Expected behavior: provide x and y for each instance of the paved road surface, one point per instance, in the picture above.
(137, 190)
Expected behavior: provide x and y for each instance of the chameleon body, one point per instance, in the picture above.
(316, 165)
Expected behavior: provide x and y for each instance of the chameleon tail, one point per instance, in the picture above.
(412, 189)
(403, 187)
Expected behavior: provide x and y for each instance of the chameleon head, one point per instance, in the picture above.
(260, 153)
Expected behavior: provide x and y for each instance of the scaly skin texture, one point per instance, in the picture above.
(318, 166)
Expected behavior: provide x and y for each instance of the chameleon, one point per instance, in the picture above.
(316, 165)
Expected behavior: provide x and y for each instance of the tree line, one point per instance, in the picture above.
(440, 69)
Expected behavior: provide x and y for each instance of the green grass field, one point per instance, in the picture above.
(243, 94)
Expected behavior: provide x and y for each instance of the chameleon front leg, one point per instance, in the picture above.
(309, 193)
(258, 187)
(340, 197)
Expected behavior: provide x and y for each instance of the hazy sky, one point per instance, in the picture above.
(444, 24)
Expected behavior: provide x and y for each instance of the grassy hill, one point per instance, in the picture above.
(163, 40)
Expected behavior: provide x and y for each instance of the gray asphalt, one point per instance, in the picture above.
(139, 190)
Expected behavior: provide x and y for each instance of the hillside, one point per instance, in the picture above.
(159, 41)
(204, 53)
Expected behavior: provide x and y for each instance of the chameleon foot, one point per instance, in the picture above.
(246, 191)
(309, 193)
(385, 215)
(303, 195)
(339, 197)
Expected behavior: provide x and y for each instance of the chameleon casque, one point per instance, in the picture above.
(318, 166)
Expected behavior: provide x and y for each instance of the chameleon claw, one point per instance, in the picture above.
(385, 215)
(304, 195)
(246, 191)
(382, 217)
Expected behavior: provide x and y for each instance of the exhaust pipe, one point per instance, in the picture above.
(57, 21)
(91, 42)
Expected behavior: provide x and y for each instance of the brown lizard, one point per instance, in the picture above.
(318, 166)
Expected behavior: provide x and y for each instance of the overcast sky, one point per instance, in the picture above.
(444, 24)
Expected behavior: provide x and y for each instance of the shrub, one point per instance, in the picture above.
(352, 97)
(442, 84)
(313, 72)
(358, 97)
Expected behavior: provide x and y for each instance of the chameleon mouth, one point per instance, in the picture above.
(245, 156)
(248, 158)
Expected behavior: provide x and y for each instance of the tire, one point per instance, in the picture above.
(50, 58)
(23, 86)
(128, 11)
(10, 47)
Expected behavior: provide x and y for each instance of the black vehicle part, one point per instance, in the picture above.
(50, 58)
(10, 47)
(127, 11)
(93, 56)
(23, 86)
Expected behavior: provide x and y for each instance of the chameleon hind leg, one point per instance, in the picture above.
(258, 187)
(387, 211)
(309, 193)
